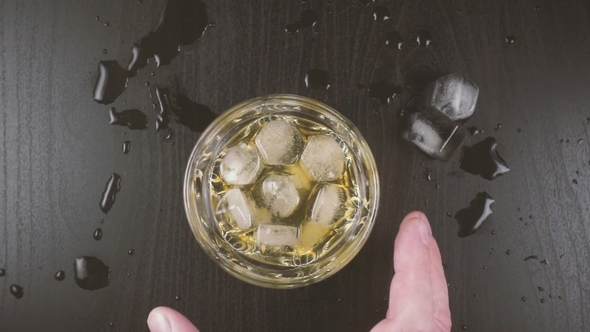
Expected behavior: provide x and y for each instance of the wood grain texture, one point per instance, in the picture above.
(57, 151)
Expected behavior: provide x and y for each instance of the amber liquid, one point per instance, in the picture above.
(314, 239)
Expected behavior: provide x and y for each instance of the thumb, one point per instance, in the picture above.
(163, 319)
(418, 299)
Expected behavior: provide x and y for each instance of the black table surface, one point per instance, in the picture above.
(58, 150)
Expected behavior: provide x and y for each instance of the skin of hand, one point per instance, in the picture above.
(418, 297)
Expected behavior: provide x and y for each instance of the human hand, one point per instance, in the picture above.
(418, 297)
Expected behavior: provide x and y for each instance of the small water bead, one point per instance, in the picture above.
(60, 275)
(17, 291)
(97, 234)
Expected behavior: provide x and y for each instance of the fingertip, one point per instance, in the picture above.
(164, 319)
(417, 222)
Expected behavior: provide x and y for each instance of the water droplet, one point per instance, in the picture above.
(475, 296)
(308, 18)
(60, 275)
(473, 130)
(383, 91)
(104, 51)
(106, 24)
(437, 186)
(450, 215)
(91, 273)
(394, 39)
(2, 272)
(170, 137)
(523, 299)
(575, 181)
(97, 234)
(162, 118)
(132, 119)
(110, 192)
(112, 324)
(128, 275)
(493, 232)
(483, 159)
(188, 113)
(177, 298)
(540, 288)
(317, 78)
(519, 130)
(485, 267)
(531, 257)
(464, 327)
(537, 8)
(510, 40)
(181, 23)
(126, 147)
(17, 291)
(380, 13)
(508, 252)
(97, 18)
(472, 217)
(130, 252)
(111, 82)
(211, 25)
(521, 218)
(424, 38)
(542, 300)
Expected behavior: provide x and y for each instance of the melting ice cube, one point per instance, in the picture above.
(455, 95)
(240, 165)
(279, 143)
(324, 158)
(238, 207)
(328, 206)
(432, 132)
(269, 235)
(280, 195)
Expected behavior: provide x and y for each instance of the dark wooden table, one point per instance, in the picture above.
(58, 150)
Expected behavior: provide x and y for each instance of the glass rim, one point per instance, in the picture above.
(244, 273)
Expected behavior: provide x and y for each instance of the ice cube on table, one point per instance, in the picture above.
(328, 206)
(455, 96)
(279, 142)
(311, 236)
(324, 158)
(240, 165)
(277, 236)
(237, 207)
(280, 195)
(432, 132)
